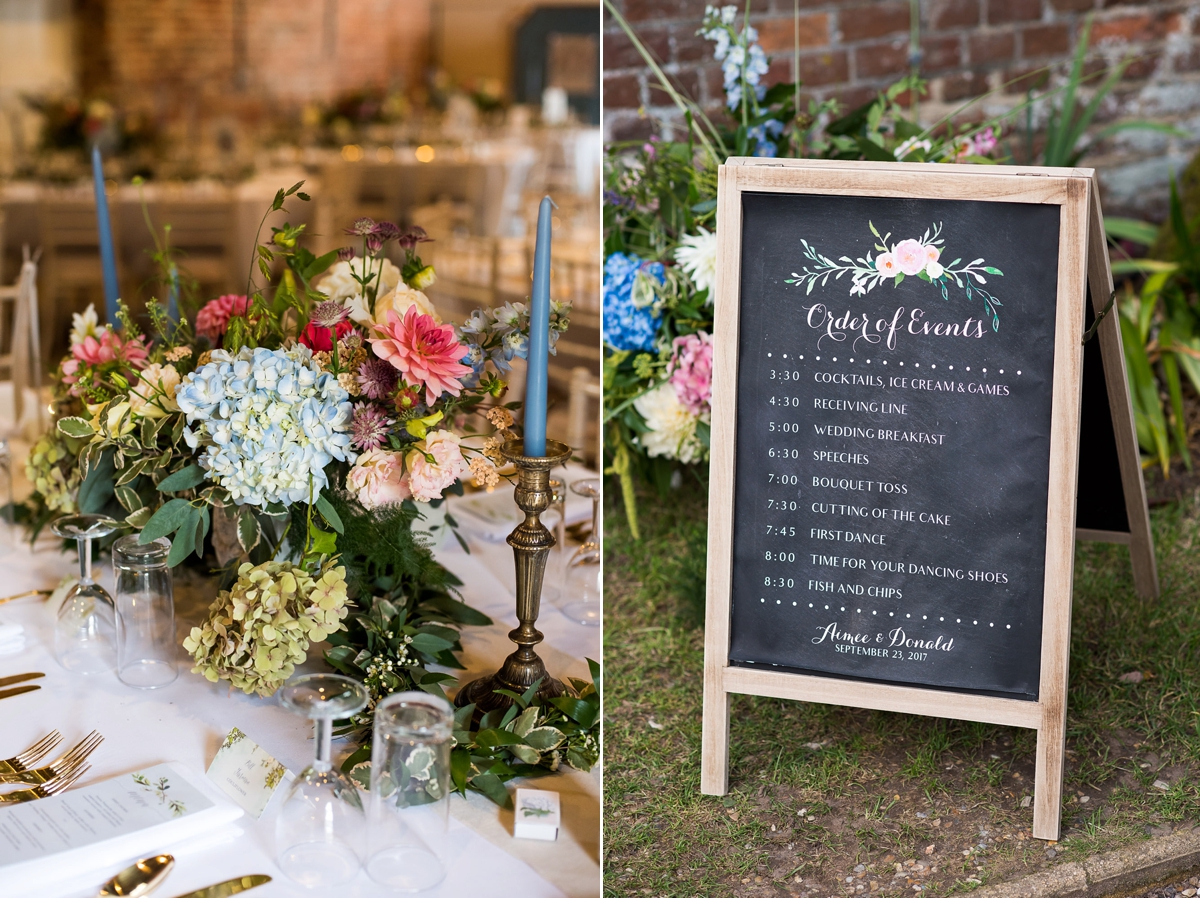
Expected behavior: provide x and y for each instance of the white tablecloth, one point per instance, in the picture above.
(186, 722)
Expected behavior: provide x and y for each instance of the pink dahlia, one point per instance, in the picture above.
(425, 352)
(690, 371)
(213, 320)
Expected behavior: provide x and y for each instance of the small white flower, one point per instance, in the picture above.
(934, 269)
(697, 255)
(85, 325)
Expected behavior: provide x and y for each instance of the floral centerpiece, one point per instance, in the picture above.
(294, 434)
(661, 243)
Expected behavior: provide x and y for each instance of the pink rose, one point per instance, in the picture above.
(932, 253)
(378, 478)
(428, 479)
(885, 264)
(910, 256)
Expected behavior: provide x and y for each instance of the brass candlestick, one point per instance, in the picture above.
(531, 543)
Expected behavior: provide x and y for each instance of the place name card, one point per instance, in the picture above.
(536, 815)
(246, 773)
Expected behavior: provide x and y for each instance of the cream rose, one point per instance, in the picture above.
(378, 478)
(339, 283)
(428, 479)
(154, 394)
(399, 300)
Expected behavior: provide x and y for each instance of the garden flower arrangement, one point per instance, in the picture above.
(661, 241)
(295, 432)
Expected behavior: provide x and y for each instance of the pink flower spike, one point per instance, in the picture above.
(690, 371)
(425, 352)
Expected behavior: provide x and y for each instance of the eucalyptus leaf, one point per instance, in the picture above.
(184, 479)
(169, 518)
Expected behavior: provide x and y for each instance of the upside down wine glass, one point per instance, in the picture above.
(320, 828)
(582, 588)
(85, 633)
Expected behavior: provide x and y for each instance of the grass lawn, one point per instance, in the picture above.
(831, 801)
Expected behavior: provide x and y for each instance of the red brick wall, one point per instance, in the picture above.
(850, 50)
(193, 59)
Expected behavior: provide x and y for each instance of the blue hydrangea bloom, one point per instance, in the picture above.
(268, 422)
(625, 325)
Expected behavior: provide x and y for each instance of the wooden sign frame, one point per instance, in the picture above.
(1083, 268)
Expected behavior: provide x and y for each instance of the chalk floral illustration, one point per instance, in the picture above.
(921, 258)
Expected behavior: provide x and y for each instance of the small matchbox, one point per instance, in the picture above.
(536, 815)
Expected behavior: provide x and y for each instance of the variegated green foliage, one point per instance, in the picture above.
(533, 737)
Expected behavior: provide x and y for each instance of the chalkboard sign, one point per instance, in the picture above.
(897, 395)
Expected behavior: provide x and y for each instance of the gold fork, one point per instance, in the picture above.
(30, 756)
(46, 790)
(59, 766)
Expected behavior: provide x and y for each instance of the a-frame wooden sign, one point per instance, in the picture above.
(909, 432)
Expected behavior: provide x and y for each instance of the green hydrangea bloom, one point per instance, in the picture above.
(53, 470)
(258, 631)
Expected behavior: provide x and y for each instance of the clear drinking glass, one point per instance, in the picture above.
(145, 613)
(8, 538)
(85, 634)
(582, 586)
(410, 792)
(552, 579)
(320, 827)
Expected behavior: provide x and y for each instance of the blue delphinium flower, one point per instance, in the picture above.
(766, 134)
(269, 422)
(627, 325)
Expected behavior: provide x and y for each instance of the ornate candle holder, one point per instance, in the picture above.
(531, 543)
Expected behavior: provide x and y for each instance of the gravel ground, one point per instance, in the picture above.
(1184, 887)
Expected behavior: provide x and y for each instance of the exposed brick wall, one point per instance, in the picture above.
(850, 50)
(194, 59)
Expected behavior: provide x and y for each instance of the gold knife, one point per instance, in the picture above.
(229, 887)
(19, 678)
(7, 693)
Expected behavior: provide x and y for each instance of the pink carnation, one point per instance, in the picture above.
(425, 352)
(213, 320)
(428, 479)
(690, 371)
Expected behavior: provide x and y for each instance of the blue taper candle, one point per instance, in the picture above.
(539, 337)
(108, 257)
(173, 294)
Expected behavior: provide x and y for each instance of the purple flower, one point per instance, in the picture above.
(346, 253)
(329, 313)
(361, 227)
(369, 427)
(377, 378)
(413, 236)
(386, 231)
(374, 243)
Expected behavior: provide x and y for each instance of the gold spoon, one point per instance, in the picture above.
(139, 879)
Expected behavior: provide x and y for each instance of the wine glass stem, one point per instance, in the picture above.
(323, 744)
(595, 537)
(85, 560)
